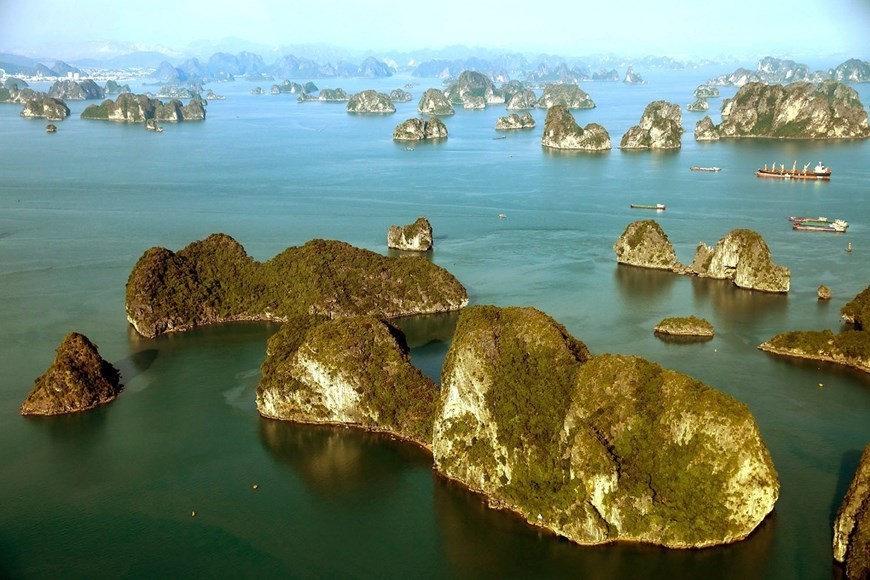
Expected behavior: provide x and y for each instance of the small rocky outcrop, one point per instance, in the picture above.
(852, 525)
(113, 88)
(699, 105)
(287, 88)
(632, 78)
(45, 108)
(743, 257)
(419, 130)
(370, 101)
(353, 371)
(850, 347)
(522, 100)
(433, 102)
(830, 110)
(684, 326)
(595, 448)
(705, 130)
(514, 121)
(214, 280)
(561, 131)
(706, 92)
(645, 244)
(69, 90)
(660, 128)
(324, 96)
(824, 293)
(568, 95)
(78, 380)
(400, 96)
(415, 237)
(50, 128)
(473, 90)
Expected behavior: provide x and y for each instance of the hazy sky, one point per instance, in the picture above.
(575, 27)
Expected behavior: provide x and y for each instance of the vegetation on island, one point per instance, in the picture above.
(214, 280)
(79, 379)
(852, 524)
(684, 326)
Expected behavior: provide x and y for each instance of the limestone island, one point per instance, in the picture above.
(829, 110)
(214, 280)
(594, 448)
(632, 78)
(705, 130)
(706, 92)
(660, 127)
(78, 380)
(370, 101)
(70, 90)
(419, 130)
(433, 102)
(325, 96)
(850, 347)
(132, 108)
(684, 326)
(852, 525)
(699, 105)
(400, 96)
(514, 122)
(741, 256)
(568, 95)
(415, 237)
(353, 371)
(47, 108)
(521, 100)
(473, 90)
(561, 131)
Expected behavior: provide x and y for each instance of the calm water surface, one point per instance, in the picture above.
(111, 492)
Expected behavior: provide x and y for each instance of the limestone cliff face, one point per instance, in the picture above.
(857, 310)
(852, 526)
(214, 280)
(324, 96)
(352, 371)
(743, 257)
(514, 121)
(706, 92)
(632, 78)
(69, 90)
(473, 90)
(596, 449)
(852, 71)
(705, 130)
(400, 96)
(133, 108)
(568, 95)
(433, 102)
(660, 128)
(561, 131)
(79, 379)
(370, 101)
(522, 101)
(47, 108)
(415, 237)
(699, 105)
(644, 243)
(419, 130)
(829, 110)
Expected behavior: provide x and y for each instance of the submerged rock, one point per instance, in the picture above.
(852, 525)
(561, 131)
(660, 128)
(595, 448)
(78, 380)
(352, 371)
(415, 237)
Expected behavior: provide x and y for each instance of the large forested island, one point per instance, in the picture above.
(214, 280)
(131, 108)
(595, 448)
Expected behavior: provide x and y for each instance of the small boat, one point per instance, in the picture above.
(694, 168)
(658, 206)
(820, 171)
(501, 216)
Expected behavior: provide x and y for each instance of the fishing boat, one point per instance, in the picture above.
(658, 206)
(694, 168)
(820, 171)
(812, 226)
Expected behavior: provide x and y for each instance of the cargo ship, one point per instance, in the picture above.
(658, 206)
(818, 172)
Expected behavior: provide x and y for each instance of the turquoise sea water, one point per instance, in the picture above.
(111, 492)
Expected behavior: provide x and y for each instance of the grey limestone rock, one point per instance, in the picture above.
(568, 95)
(660, 128)
(415, 237)
(515, 121)
(561, 131)
(370, 101)
(433, 102)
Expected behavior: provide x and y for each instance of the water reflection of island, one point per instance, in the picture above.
(480, 541)
(734, 306)
(335, 461)
(639, 285)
